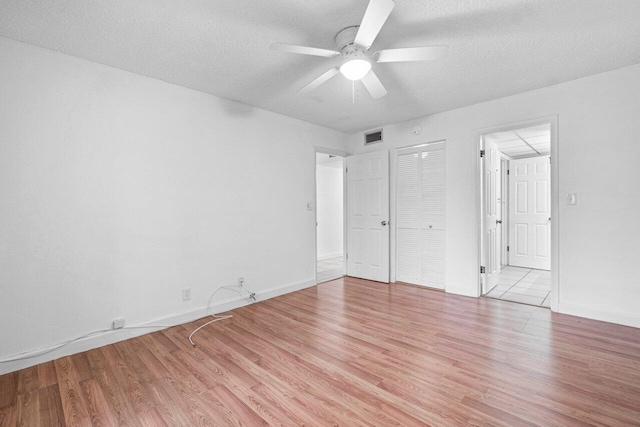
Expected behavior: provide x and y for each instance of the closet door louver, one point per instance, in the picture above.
(408, 200)
(420, 216)
(433, 215)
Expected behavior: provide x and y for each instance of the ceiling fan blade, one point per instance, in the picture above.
(373, 85)
(317, 82)
(304, 50)
(429, 53)
(374, 18)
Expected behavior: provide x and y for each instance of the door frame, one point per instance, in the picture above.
(555, 201)
(504, 198)
(343, 154)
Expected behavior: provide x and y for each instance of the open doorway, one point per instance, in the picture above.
(516, 214)
(329, 217)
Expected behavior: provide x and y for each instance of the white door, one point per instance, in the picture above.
(492, 215)
(368, 216)
(530, 213)
(420, 215)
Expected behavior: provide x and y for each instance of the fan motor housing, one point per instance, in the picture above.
(345, 39)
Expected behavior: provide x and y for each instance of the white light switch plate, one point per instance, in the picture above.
(572, 199)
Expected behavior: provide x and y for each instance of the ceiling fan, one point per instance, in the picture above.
(353, 44)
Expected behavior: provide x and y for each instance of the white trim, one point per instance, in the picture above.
(344, 155)
(555, 201)
(426, 144)
(601, 313)
(459, 290)
(332, 151)
(117, 335)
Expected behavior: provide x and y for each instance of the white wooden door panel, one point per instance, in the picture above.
(530, 213)
(368, 216)
(492, 215)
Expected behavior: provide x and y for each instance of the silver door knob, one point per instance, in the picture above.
(384, 223)
(498, 221)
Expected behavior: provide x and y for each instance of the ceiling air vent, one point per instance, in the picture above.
(373, 137)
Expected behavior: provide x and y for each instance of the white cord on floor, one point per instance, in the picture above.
(27, 354)
(238, 289)
(47, 350)
(216, 318)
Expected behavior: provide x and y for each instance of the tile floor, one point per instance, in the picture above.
(329, 269)
(523, 285)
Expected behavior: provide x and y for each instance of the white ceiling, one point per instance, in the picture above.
(497, 48)
(526, 142)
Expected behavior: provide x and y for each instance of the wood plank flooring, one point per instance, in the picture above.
(347, 352)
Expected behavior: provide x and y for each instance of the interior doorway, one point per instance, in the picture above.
(330, 257)
(516, 214)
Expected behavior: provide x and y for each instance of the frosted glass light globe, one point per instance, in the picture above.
(355, 69)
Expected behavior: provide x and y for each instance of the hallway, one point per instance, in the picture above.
(331, 268)
(523, 285)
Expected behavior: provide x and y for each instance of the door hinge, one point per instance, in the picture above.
(346, 170)
(482, 270)
(347, 256)
(481, 153)
(507, 248)
(508, 171)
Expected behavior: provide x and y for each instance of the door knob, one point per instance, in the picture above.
(498, 221)
(384, 223)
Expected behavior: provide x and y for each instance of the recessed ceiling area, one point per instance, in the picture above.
(526, 142)
(496, 48)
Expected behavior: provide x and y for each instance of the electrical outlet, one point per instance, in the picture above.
(240, 281)
(118, 324)
(186, 294)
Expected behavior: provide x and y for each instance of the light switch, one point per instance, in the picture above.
(572, 199)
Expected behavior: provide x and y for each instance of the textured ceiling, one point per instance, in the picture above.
(497, 48)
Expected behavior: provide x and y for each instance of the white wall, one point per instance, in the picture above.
(117, 191)
(599, 154)
(329, 184)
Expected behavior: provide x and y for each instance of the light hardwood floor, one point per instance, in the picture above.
(347, 352)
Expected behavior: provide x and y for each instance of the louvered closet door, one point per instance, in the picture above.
(420, 216)
(408, 199)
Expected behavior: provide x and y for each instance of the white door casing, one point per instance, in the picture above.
(530, 213)
(504, 211)
(368, 216)
(492, 214)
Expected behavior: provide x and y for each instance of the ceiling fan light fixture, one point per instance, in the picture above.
(355, 69)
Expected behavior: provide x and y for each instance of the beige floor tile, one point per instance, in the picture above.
(525, 299)
(526, 291)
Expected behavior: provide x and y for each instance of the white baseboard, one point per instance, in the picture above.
(462, 290)
(117, 335)
(329, 256)
(602, 313)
